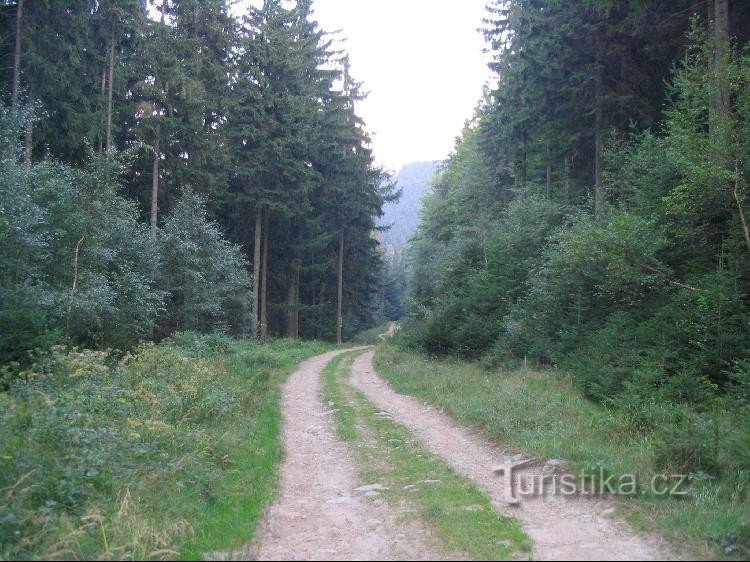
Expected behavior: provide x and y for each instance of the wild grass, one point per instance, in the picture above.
(544, 414)
(389, 455)
(170, 452)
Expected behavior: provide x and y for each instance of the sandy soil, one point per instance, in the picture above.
(320, 514)
(563, 528)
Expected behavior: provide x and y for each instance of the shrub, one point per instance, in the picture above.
(85, 432)
(204, 276)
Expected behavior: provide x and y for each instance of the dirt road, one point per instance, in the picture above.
(324, 510)
(562, 528)
(321, 514)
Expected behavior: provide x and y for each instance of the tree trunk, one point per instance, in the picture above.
(256, 269)
(155, 182)
(293, 302)
(719, 108)
(296, 302)
(264, 283)
(525, 161)
(319, 334)
(722, 53)
(549, 174)
(109, 92)
(340, 298)
(291, 329)
(100, 147)
(17, 56)
(599, 196)
(27, 155)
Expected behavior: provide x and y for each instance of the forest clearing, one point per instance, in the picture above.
(323, 279)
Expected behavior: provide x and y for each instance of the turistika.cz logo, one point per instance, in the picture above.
(589, 482)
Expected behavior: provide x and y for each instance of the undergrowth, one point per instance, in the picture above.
(168, 452)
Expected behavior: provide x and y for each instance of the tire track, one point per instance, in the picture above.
(563, 528)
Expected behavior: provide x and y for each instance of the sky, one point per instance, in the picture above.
(421, 62)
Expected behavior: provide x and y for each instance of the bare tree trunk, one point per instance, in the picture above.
(75, 278)
(27, 155)
(599, 196)
(264, 283)
(340, 298)
(293, 302)
(155, 182)
(722, 53)
(321, 299)
(109, 92)
(718, 13)
(291, 329)
(17, 56)
(100, 147)
(296, 300)
(525, 162)
(256, 269)
(549, 174)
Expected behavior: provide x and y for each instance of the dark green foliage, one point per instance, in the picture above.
(24, 326)
(252, 112)
(584, 223)
(74, 257)
(75, 261)
(205, 277)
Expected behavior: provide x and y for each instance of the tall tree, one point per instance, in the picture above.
(280, 80)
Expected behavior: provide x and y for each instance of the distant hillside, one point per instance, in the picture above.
(414, 180)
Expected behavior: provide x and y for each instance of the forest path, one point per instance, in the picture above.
(319, 513)
(393, 327)
(562, 528)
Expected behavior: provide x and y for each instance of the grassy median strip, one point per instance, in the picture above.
(389, 455)
(170, 452)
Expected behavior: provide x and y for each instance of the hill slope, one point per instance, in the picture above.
(403, 216)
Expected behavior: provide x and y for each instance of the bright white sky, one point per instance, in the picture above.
(421, 61)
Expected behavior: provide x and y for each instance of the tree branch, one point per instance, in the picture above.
(671, 281)
(739, 201)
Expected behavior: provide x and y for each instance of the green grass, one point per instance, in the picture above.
(390, 455)
(543, 414)
(169, 453)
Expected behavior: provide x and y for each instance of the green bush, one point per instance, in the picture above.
(205, 276)
(24, 326)
(201, 345)
(77, 263)
(74, 258)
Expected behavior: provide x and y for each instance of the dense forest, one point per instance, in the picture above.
(188, 194)
(594, 214)
(168, 166)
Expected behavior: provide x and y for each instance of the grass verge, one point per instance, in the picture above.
(170, 452)
(390, 455)
(543, 414)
